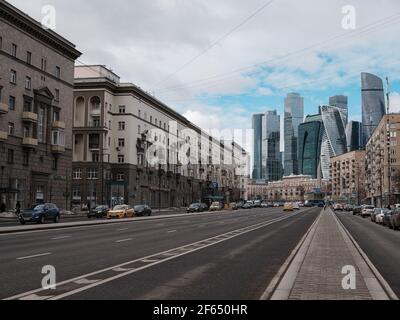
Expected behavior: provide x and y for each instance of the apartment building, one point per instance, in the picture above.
(36, 99)
(129, 147)
(347, 173)
(383, 162)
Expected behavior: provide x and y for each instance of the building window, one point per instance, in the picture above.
(56, 115)
(139, 113)
(77, 173)
(109, 125)
(11, 103)
(58, 138)
(121, 126)
(26, 158)
(11, 129)
(28, 57)
(57, 95)
(95, 157)
(151, 119)
(44, 64)
(13, 76)
(122, 109)
(27, 105)
(121, 158)
(92, 173)
(28, 83)
(14, 48)
(55, 163)
(10, 156)
(76, 193)
(58, 72)
(121, 143)
(120, 176)
(139, 130)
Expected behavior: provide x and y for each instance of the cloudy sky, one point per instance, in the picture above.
(219, 61)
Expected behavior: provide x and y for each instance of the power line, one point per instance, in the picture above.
(216, 42)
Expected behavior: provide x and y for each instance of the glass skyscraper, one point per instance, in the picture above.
(341, 102)
(309, 147)
(257, 146)
(353, 135)
(373, 104)
(294, 114)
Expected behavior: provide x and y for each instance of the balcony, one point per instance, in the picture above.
(30, 142)
(29, 116)
(3, 108)
(59, 125)
(57, 149)
(3, 136)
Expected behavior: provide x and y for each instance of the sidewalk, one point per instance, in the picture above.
(316, 271)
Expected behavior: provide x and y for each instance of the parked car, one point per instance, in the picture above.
(277, 204)
(379, 217)
(98, 212)
(357, 210)
(204, 207)
(234, 206)
(120, 212)
(264, 204)
(216, 206)
(338, 207)
(142, 210)
(386, 219)
(367, 211)
(247, 206)
(296, 206)
(288, 206)
(376, 212)
(395, 219)
(40, 213)
(301, 204)
(195, 207)
(257, 203)
(348, 207)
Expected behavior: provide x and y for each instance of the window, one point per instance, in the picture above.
(95, 157)
(58, 138)
(13, 76)
(109, 125)
(121, 158)
(10, 156)
(56, 115)
(151, 119)
(92, 173)
(109, 141)
(28, 83)
(44, 64)
(139, 130)
(11, 103)
(27, 105)
(121, 143)
(77, 173)
(11, 129)
(25, 158)
(121, 126)
(57, 94)
(139, 113)
(76, 193)
(120, 176)
(58, 72)
(122, 109)
(29, 57)
(14, 48)
(1, 43)
(96, 122)
(55, 163)
(161, 124)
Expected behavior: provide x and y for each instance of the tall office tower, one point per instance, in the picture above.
(334, 138)
(353, 135)
(373, 104)
(341, 102)
(257, 146)
(310, 142)
(271, 157)
(294, 114)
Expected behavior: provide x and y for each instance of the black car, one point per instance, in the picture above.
(195, 207)
(40, 213)
(98, 212)
(142, 210)
(386, 219)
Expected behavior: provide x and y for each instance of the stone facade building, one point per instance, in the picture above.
(36, 98)
(129, 147)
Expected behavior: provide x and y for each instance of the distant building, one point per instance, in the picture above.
(341, 102)
(353, 136)
(310, 141)
(294, 114)
(373, 104)
(347, 173)
(257, 145)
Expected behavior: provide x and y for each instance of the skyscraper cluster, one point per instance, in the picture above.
(310, 142)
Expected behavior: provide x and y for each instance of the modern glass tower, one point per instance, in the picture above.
(294, 114)
(353, 135)
(341, 102)
(310, 142)
(271, 156)
(373, 104)
(257, 146)
(334, 138)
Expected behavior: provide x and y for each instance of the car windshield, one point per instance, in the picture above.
(139, 208)
(99, 208)
(195, 205)
(119, 207)
(37, 207)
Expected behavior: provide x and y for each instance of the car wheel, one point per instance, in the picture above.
(149, 214)
(42, 220)
(57, 219)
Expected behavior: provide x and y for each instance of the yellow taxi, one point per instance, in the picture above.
(288, 206)
(120, 212)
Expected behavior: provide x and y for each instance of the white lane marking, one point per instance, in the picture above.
(61, 238)
(171, 231)
(35, 256)
(35, 297)
(124, 240)
(187, 249)
(123, 229)
(85, 281)
(122, 269)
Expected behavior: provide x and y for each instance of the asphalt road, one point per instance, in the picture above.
(381, 245)
(237, 265)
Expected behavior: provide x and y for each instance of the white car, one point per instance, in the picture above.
(367, 211)
(296, 206)
(379, 218)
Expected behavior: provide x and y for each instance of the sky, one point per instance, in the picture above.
(219, 61)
